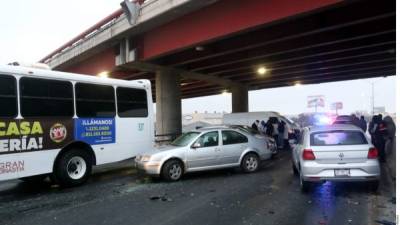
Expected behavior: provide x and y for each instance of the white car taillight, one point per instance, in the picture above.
(308, 154)
(373, 153)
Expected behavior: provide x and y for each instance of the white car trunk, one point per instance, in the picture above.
(341, 154)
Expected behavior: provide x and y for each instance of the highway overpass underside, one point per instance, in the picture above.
(341, 40)
(349, 40)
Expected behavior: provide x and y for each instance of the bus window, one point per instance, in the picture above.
(93, 100)
(131, 102)
(46, 98)
(8, 96)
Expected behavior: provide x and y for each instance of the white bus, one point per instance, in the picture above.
(62, 124)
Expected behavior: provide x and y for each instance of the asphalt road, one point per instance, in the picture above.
(119, 195)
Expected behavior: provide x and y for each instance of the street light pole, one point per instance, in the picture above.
(373, 98)
(372, 83)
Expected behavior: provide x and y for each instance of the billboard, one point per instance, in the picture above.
(315, 101)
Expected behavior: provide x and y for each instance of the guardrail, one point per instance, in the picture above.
(93, 30)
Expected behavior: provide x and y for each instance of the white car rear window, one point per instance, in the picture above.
(337, 138)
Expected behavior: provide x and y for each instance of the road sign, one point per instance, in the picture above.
(337, 105)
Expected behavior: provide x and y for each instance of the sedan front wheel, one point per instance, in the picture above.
(172, 170)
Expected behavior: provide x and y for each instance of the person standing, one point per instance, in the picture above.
(380, 133)
(372, 127)
(281, 130)
(269, 128)
(275, 131)
(390, 133)
(390, 145)
(255, 125)
(286, 137)
(261, 127)
(355, 121)
(363, 124)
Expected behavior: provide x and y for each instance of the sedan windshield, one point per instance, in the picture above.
(185, 139)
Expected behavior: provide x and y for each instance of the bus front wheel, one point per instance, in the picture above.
(73, 168)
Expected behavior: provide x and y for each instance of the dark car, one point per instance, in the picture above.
(343, 119)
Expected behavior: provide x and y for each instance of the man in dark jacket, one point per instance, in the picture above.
(380, 133)
(363, 123)
(372, 127)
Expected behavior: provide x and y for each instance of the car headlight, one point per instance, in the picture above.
(145, 158)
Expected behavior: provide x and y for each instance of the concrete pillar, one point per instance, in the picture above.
(240, 99)
(168, 103)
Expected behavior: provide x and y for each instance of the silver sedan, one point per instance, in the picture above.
(207, 149)
(335, 153)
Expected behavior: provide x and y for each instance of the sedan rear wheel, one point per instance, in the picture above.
(304, 185)
(250, 163)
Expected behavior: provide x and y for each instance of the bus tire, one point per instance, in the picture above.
(73, 168)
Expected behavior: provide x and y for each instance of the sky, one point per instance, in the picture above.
(32, 29)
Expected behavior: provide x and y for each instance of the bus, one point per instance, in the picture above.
(62, 124)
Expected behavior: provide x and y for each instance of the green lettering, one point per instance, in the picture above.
(12, 129)
(36, 128)
(2, 126)
(25, 127)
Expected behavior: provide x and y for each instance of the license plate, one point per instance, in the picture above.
(342, 173)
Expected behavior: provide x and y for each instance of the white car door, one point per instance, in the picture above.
(205, 151)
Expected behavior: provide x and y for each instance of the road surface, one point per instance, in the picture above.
(122, 196)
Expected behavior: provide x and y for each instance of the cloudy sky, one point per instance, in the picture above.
(32, 29)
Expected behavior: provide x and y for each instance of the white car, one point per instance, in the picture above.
(206, 149)
(335, 153)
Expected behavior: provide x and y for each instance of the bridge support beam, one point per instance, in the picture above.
(168, 102)
(240, 98)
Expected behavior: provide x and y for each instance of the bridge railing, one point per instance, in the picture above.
(92, 31)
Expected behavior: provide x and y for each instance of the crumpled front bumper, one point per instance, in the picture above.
(149, 167)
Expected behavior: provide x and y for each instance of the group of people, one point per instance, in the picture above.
(359, 122)
(382, 131)
(279, 130)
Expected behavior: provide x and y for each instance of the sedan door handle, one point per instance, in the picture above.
(217, 149)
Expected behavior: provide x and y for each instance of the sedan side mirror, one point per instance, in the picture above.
(196, 145)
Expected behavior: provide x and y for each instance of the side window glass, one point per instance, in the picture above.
(93, 100)
(46, 98)
(209, 139)
(132, 102)
(233, 137)
(8, 96)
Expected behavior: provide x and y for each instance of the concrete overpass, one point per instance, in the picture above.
(190, 48)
